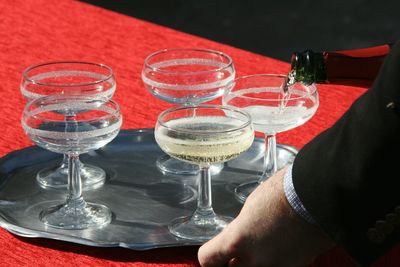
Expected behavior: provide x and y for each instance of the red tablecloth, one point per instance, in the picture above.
(33, 31)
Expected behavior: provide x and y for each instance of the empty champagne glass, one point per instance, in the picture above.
(273, 110)
(186, 77)
(203, 135)
(69, 78)
(92, 123)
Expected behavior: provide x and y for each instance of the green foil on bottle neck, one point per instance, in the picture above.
(309, 67)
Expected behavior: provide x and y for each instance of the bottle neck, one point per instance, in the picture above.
(338, 66)
(308, 67)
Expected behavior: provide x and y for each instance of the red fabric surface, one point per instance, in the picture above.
(33, 31)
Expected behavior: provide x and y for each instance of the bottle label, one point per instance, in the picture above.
(376, 51)
(357, 64)
(345, 66)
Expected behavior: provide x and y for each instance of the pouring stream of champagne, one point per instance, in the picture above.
(289, 80)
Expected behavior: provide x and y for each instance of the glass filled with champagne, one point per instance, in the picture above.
(203, 135)
(275, 106)
(186, 76)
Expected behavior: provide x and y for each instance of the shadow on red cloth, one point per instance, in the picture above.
(188, 255)
(171, 255)
(355, 83)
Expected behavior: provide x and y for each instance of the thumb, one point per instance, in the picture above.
(218, 251)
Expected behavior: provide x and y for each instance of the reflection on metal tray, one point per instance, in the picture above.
(142, 199)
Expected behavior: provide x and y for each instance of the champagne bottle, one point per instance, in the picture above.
(341, 67)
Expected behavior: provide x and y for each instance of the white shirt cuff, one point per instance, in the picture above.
(293, 198)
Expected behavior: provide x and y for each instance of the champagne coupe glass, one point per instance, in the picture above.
(273, 111)
(92, 123)
(186, 77)
(203, 135)
(69, 78)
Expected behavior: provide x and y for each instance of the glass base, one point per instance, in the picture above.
(199, 229)
(169, 165)
(242, 191)
(57, 177)
(75, 217)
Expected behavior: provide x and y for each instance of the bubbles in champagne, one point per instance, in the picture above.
(61, 136)
(204, 139)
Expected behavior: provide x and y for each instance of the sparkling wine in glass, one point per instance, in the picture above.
(186, 77)
(203, 135)
(69, 78)
(96, 121)
(273, 110)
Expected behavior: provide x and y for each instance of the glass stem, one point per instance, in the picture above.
(64, 163)
(74, 181)
(270, 161)
(204, 200)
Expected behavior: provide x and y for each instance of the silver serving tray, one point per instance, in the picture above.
(142, 199)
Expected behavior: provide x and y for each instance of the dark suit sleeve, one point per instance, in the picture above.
(348, 177)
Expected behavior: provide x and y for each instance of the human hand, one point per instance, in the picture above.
(267, 232)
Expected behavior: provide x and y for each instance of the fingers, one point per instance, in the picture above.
(218, 251)
(213, 253)
(236, 263)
